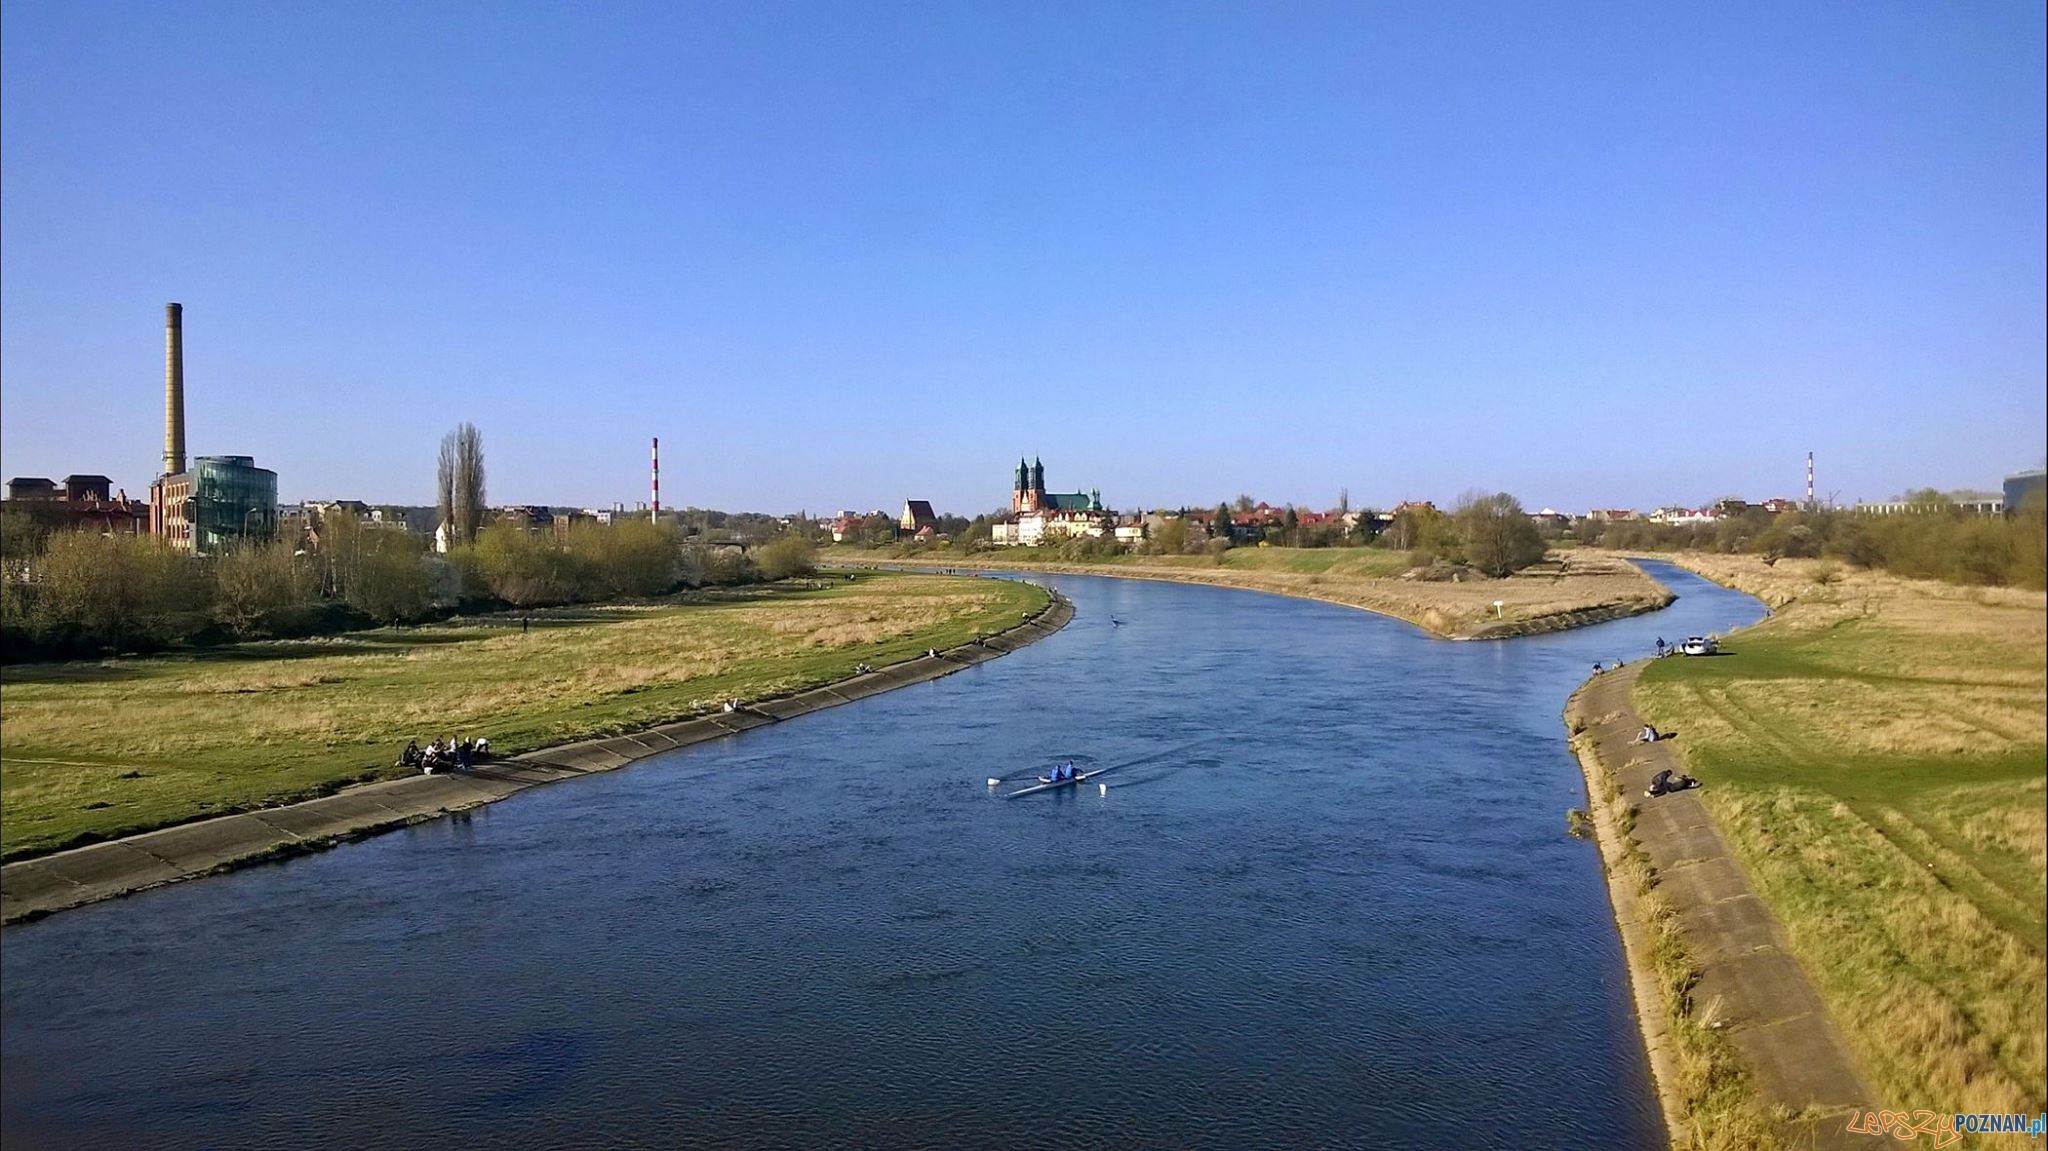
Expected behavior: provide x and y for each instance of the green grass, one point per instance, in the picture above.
(100, 749)
(1879, 767)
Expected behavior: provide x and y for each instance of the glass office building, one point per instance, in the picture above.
(230, 499)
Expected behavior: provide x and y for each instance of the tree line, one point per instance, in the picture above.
(1486, 532)
(68, 593)
(1933, 539)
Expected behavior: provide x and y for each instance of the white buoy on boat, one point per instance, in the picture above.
(1104, 787)
(992, 781)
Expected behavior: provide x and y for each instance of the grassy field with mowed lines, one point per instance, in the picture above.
(1875, 754)
(98, 749)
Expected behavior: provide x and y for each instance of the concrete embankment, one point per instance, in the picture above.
(36, 887)
(1741, 981)
(1566, 620)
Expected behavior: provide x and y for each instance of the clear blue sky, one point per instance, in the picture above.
(841, 254)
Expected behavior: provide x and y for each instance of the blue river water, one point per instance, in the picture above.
(1327, 900)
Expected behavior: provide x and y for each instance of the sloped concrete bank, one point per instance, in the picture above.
(33, 888)
(1670, 873)
(1567, 620)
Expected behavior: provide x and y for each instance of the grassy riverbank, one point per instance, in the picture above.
(1570, 588)
(1875, 755)
(98, 749)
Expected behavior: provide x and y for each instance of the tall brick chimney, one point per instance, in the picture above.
(174, 389)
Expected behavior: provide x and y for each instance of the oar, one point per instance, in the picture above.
(1093, 772)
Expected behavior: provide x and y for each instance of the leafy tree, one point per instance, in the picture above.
(629, 557)
(253, 580)
(1170, 537)
(1497, 535)
(378, 571)
(525, 569)
(21, 535)
(1415, 527)
(1223, 529)
(393, 583)
(878, 531)
(976, 534)
(115, 592)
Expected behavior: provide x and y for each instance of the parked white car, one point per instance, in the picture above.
(1699, 645)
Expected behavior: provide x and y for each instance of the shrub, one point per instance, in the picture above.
(256, 579)
(525, 569)
(788, 556)
(116, 593)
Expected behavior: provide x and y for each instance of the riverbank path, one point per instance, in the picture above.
(1749, 979)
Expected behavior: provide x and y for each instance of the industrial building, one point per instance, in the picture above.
(220, 499)
(79, 503)
(2022, 486)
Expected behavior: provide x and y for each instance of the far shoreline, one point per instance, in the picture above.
(1565, 620)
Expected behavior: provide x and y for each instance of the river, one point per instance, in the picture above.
(1326, 900)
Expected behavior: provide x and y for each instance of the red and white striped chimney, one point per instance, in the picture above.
(655, 501)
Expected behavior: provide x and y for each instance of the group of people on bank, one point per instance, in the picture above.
(454, 755)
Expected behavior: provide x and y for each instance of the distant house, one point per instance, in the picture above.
(917, 515)
(1262, 515)
(1684, 516)
(851, 525)
(527, 518)
(1778, 507)
(1612, 515)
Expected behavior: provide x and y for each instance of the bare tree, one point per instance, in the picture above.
(444, 485)
(461, 481)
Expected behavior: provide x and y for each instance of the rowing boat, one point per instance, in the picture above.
(1045, 784)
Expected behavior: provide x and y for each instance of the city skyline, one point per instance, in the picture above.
(855, 257)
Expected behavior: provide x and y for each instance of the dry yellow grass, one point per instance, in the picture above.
(1575, 587)
(1877, 755)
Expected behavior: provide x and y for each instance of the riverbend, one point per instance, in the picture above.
(1327, 899)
